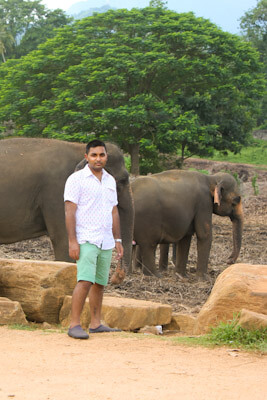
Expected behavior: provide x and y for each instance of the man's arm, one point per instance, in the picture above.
(70, 220)
(117, 231)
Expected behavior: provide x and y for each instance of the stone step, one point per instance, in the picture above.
(123, 313)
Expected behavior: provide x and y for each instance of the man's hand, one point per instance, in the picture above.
(117, 232)
(119, 250)
(119, 274)
(74, 250)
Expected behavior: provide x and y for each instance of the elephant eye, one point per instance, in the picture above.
(236, 200)
(123, 181)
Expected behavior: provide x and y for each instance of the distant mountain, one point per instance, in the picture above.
(76, 8)
(225, 14)
(90, 11)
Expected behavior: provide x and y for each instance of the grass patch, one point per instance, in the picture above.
(203, 171)
(236, 336)
(255, 154)
(33, 326)
(30, 327)
(230, 334)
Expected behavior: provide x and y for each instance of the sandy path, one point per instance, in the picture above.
(39, 365)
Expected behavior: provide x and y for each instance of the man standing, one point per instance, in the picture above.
(93, 226)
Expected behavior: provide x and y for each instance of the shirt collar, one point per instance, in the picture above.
(87, 172)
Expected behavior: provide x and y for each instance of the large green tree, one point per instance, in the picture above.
(29, 23)
(152, 80)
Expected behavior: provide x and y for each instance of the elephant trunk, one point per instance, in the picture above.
(126, 212)
(237, 220)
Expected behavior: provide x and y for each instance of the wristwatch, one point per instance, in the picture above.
(118, 240)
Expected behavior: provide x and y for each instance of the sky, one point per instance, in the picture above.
(224, 13)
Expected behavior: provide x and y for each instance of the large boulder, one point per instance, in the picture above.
(11, 312)
(39, 286)
(251, 320)
(238, 286)
(123, 313)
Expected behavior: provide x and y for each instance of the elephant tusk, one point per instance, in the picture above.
(216, 197)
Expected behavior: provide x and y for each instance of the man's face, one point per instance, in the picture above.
(97, 158)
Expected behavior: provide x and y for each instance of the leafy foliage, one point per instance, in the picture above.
(151, 80)
(19, 15)
(158, 3)
(41, 30)
(254, 28)
(6, 40)
(26, 24)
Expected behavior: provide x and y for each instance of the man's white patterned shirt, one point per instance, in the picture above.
(95, 201)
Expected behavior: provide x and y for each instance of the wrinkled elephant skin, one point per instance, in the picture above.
(173, 205)
(33, 176)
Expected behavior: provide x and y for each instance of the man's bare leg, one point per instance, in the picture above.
(95, 301)
(79, 295)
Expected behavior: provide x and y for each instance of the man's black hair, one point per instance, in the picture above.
(95, 143)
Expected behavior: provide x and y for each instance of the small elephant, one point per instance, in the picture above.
(33, 176)
(173, 205)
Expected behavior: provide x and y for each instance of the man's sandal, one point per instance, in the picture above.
(103, 328)
(77, 332)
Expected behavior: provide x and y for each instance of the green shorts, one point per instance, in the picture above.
(93, 264)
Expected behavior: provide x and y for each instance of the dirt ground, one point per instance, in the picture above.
(40, 365)
(44, 365)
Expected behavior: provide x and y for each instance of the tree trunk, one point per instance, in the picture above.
(39, 286)
(3, 57)
(134, 153)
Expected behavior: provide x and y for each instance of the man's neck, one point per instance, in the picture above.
(97, 174)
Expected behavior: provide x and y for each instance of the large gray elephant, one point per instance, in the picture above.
(33, 175)
(173, 205)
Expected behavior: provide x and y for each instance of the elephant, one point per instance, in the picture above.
(33, 176)
(173, 205)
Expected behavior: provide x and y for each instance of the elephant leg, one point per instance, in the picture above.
(203, 229)
(137, 257)
(148, 259)
(182, 251)
(133, 259)
(203, 252)
(55, 225)
(174, 253)
(60, 246)
(163, 259)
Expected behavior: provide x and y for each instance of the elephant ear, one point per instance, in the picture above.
(80, 165)
(218, 193)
